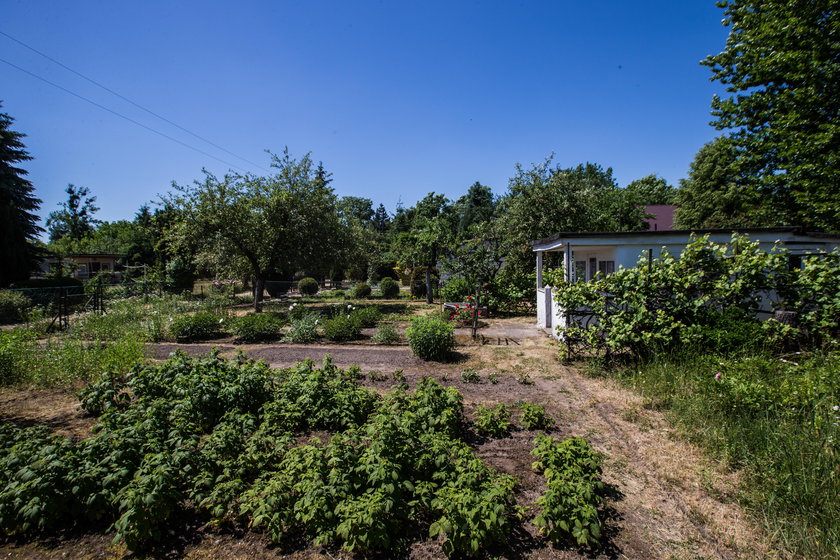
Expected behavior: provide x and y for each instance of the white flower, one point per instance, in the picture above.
(291, 307)
(836, 408)
(222, 320)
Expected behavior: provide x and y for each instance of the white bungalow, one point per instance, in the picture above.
(585, 254)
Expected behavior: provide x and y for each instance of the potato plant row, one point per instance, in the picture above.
(231, 440)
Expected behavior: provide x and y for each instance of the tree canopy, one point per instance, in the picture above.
(545, 200)
(716, 193)
(781, 66)
(650, 189)
(18, 222)
(277, 225)
(75, 219)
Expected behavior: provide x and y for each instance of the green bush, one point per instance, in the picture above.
(13, 307)
(574, 490)
(304, 329)
(342, 328)
(430, 338)
(389, 288)
(256, 327)
(308, 286)
(534, 417)
(366, 317)
(360, 291)
(179, 275)
(298, 311)
(386, 334)
(199, 326)
(492, 421)
(455, 289)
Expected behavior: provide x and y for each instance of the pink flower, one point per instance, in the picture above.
(717, 376)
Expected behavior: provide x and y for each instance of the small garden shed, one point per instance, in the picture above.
(586, 254)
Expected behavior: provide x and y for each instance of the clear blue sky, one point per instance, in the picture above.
(396, 98)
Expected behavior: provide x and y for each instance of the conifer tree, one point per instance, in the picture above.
(19, 227)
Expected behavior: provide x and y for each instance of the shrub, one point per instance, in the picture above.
(385, 334)
(308, 286)
(179, 275)
(361, 291)
(13, 306)
(534, 417)
(298, 311)
(574, 490)
(366, 317)
(389, 288)
(430, 338)
(256, 327)
(342, 328)
(200, 326)
(304, 330)
(455, 289)
(492, 422)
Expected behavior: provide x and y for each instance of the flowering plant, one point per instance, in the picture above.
(462, 314)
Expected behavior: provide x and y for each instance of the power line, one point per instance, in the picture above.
(126, 99)
(129, 119)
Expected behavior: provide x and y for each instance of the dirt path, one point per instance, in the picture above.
(672, 503)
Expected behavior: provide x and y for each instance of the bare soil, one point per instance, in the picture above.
(668, 501)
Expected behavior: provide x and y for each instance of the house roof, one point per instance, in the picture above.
(620, 236)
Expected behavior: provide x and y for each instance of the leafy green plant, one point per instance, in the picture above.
(308, 286)
(366, 317)
(493, 378)
(455, 289)
(342, 328)
(256, 327)
(199, 326)
(303, 330)
(469, 375)
(386, 334)
(360, 291)
(492, 421)
(430, 338)
(574, 490)
(389, 288)
(13, 307)
(534, 417)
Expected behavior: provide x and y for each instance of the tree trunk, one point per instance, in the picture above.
(477, 305)
(429, 294)
(258, 293)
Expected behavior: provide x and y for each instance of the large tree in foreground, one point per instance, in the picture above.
(279, 224)
(781, 66)
(18, 223)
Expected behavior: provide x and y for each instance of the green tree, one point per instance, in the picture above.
(431, 229)
(650, 190)
(545, 200)
(18, 223)
(279, 224)
(381, 220)
(475, 207)
(75, 219)
(781, 66)
(716, 193)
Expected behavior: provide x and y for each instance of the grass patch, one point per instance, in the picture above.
(774, 418)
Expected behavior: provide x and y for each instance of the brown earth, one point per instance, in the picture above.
(669, 501)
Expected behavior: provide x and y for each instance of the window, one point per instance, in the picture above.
(606, 267)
